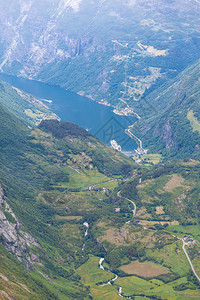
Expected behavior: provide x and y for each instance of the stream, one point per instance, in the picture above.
(86, 233)
(102, 259)
(111, 281)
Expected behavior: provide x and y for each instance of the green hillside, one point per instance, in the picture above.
(45, 179)
(67, 201)
(170, 117)
(56, 178)
(24, 106)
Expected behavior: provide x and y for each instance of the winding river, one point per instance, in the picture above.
(111, 281)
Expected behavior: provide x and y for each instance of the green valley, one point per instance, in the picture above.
(80, 219)
(71, 198)
(45, 177)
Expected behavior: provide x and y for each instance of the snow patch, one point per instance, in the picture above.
(74, 4)
(25, 6)
(60, 53)
(132, 2)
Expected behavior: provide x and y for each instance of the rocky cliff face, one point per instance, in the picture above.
(172, 128)
(13, 236)
(167, 136)
(108, 50)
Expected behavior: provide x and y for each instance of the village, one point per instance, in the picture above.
(189, 241)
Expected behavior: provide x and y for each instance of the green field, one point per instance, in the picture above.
(193, 230)
(152, 158)
(91, 274)
(193, 121)
(83, 180)
(108, 185)
(134, 284)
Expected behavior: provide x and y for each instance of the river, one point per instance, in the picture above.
(98, 119)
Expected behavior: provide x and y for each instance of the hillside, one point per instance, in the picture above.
(171, 124)
(45, 181)
(67, 201)
(78, 219)
(147, 252)
(24, 106)
(107, 50)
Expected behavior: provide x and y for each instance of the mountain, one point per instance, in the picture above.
(112, 51)
(170, 121)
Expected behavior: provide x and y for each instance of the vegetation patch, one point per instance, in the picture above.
(145, 269)
(68, 217)
(193, 121)
(133, 285)
(115, 236)
(175, 181)
(152, 158)
(159, 210)
(152, 223)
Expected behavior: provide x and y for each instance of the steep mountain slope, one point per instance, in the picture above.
(41, 171)
(170, 123)
(108, 50)
(21, 180)
(24, 106)
(77, 214)
(16, 282)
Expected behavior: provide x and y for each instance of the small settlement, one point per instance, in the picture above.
(189, 241)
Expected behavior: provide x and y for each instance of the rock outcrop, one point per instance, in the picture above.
(111, 49)
(13, 236)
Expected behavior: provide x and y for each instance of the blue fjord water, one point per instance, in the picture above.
(96, 118)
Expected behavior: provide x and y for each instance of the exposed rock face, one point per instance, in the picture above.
(167, 135)
(14, 239)
(97, 46)
(34, 35)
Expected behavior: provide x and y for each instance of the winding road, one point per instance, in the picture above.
(91, 187)
(191, 265)
(134, 213)
(188, 258)
(129, 133)
(184, 243)
(134, 205)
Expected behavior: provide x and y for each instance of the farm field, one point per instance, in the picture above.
(145, 269)
(83, 180)
(133, 286)
(152, 158)
(91, 274)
